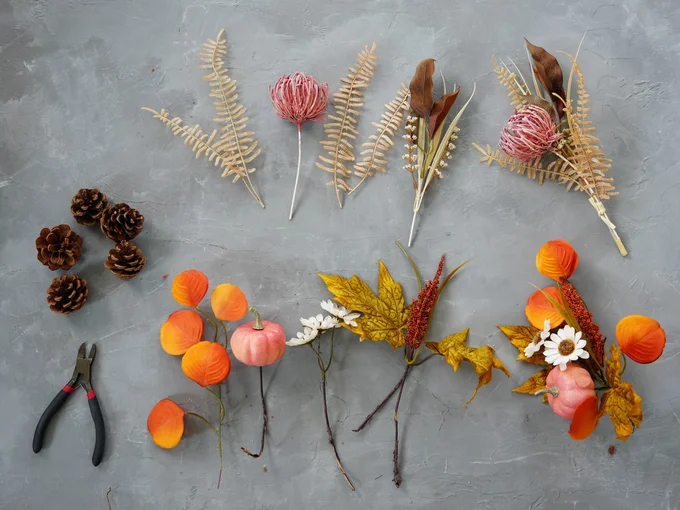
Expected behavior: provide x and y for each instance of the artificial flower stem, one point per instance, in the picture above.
(264, 422)
(397, 473)
(389, 395)
(226, 336)
(219, 430)
(203, 419)
(297, 174)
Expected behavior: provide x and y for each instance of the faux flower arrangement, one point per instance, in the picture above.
(206, 362)
(549, 136)
(385, 316)
(579, 382)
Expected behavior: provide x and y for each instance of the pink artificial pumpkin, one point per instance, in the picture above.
(567, 389)
(258, 343)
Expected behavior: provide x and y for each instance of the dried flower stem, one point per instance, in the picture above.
(324, 367)
(297, 174)
(264, 423)
(395, 457)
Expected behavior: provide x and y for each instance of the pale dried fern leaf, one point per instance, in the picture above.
(341, 127)
(533, 169)
(509, 80)
(236, 144)
(589, 163)
(375, 150)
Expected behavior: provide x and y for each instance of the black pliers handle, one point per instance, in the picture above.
(81, 375)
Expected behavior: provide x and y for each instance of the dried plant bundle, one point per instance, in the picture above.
(341, 126)
(234, 148)
(375, 150)
(428, 144)
(577, 160)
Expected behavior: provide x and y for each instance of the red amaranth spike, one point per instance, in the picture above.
(584, 318)
(421, 308)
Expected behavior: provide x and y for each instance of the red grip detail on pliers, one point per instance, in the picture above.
(68, 389)
(91, 395)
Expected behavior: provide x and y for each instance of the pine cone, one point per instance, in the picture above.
(125, 260)
(59, 248)
(67, 293)
(121, 222)
(88, 205)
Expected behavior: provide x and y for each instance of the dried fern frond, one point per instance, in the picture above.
(341, 127)
(589, 163)
(533, 169)
(376, 148)
(508, 79)
(237, 145)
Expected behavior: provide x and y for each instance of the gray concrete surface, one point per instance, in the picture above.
(73, 76)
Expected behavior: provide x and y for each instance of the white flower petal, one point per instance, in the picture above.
(550, 352)
(573, 356)
(580, 344)
(556, 338)
(584, 355)
(551, 357)
(551, 344)
(563, 366)
(577, 336)
(329, 306)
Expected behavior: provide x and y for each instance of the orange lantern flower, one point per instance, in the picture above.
(640, 338)
(229, 303)
(585, 420)
(206, 363)
(190, 287)
(166, 423)
(183, 329)
(557, 259)
(539, 308)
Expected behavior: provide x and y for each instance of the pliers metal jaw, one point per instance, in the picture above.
(81, 375)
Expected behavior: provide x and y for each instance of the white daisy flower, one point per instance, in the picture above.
(534, 347)
(303, 338)
(565, 346)
(341, 312)
(312, 322)
(329, 322)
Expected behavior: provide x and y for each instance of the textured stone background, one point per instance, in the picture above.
(73, 76)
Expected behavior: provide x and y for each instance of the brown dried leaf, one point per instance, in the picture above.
(421, 87)
(440, 110)
(549, 73)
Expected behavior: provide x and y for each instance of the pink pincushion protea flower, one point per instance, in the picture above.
(298, 98)
(529, 133)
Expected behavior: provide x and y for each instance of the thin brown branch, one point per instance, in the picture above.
(397, 473)
(264, 423)
(331, 440)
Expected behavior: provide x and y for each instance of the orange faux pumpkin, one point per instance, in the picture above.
(640, 338)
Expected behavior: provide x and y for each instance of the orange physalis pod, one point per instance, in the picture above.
(640, 338)
(206, 363)
(166, 423)
(229, 303)
(539, 308)
(190, 287)
(557, 259)
(586, 418)
(183, 329)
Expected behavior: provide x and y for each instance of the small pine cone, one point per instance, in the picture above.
(121, 222)
(125, 260)
(67, 293)
(88, 205)
(59, 247)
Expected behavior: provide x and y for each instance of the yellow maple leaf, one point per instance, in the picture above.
(520, 337)
(534, 383)
(454, 348)
(384, 316)
(621, 403)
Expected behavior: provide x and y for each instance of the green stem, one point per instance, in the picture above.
(219, 430)
(203, 419)
(226, 336)
(210, 320)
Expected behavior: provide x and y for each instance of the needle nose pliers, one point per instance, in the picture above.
(81, 374)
